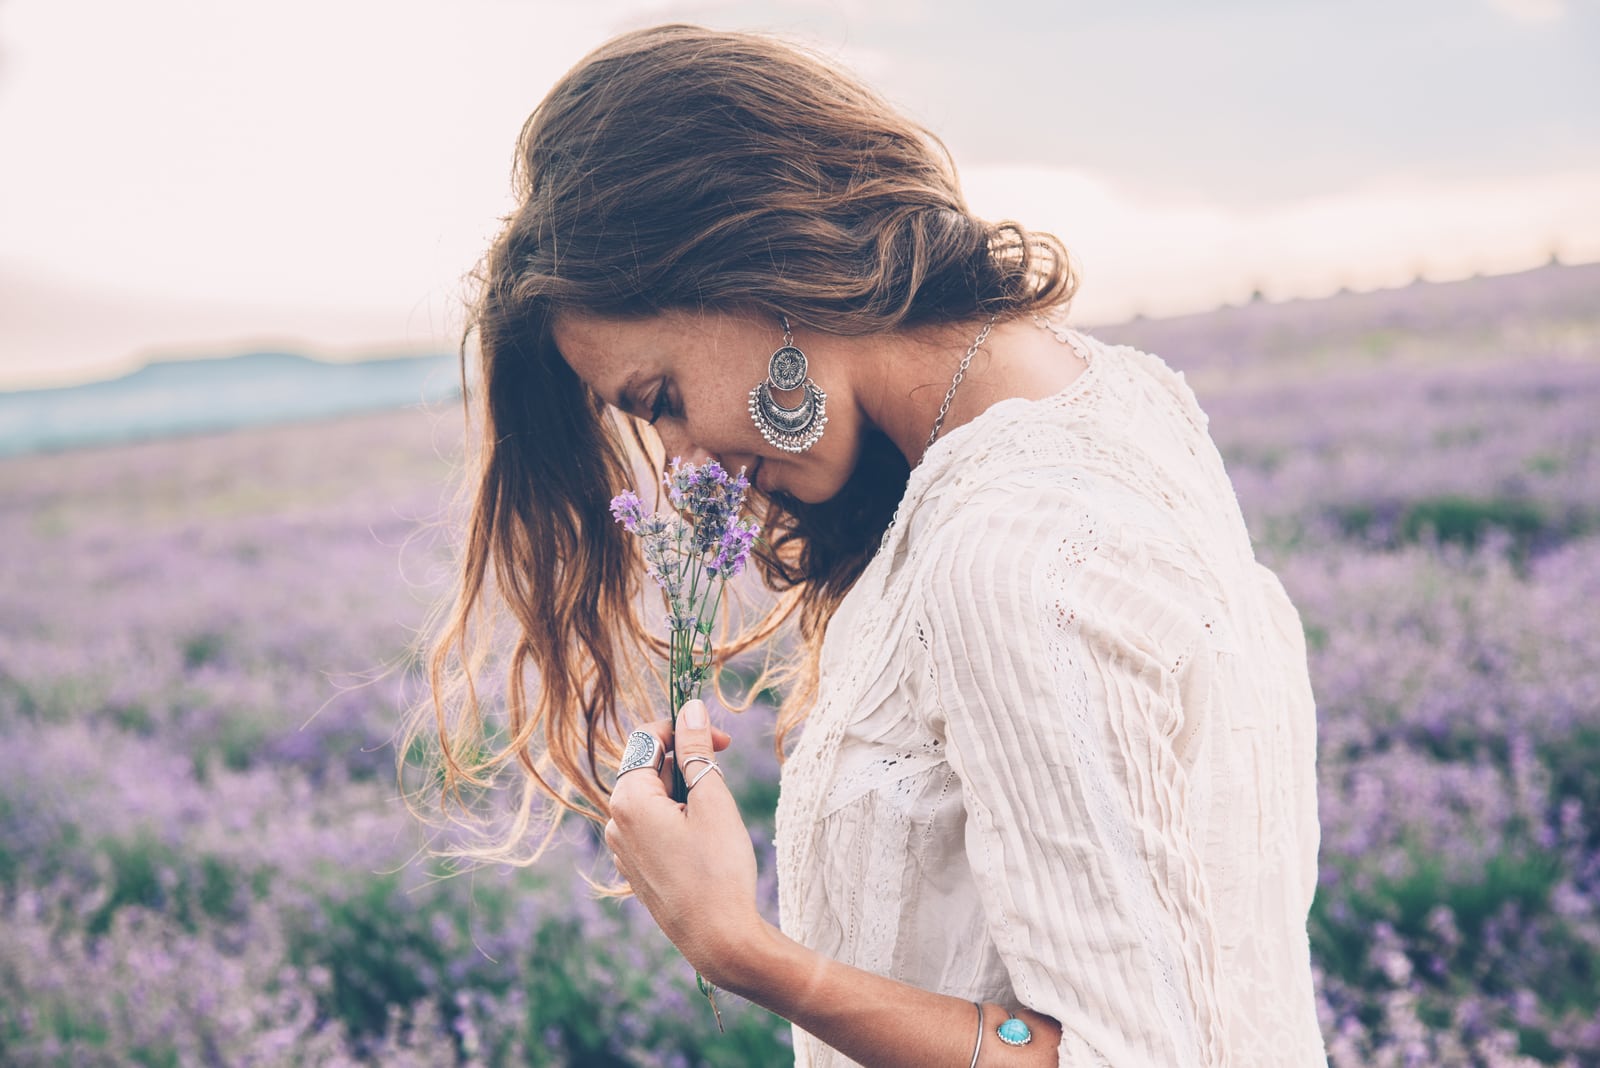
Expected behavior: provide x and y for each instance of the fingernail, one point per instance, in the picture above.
(694, 715)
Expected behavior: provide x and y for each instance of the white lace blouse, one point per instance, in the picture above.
(1063, 753)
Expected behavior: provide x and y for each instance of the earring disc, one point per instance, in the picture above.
(787, 368)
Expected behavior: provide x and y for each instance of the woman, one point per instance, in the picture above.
(1054, 799)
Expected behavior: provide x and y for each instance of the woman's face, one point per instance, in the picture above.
(690, 374)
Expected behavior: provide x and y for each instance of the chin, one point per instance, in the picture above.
(808, 490)
(813, 479)
(771, 482)
(800, 496)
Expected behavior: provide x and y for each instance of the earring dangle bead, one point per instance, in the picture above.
(790, 429)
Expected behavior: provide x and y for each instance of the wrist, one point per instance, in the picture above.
(762, 966)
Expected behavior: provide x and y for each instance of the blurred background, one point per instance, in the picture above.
(234, 248)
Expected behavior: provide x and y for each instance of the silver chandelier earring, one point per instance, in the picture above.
(790, 429)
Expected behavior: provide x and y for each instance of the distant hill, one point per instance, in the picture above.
(189, 396)
(1552, 310)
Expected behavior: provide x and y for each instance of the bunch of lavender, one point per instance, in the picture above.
(691, 553)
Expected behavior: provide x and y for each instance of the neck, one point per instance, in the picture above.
(906, 376)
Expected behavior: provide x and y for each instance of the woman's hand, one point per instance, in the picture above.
(692, 865)
(694, 868)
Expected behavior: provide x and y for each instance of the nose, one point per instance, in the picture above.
(677, 445)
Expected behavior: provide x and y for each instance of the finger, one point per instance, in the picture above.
(720, 740)
(638, 784)
(694, 739)
(662, 730)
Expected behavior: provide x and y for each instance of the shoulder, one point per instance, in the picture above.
(1053, 550)
(1016, 508)
(1014, 519)
(1153, 369)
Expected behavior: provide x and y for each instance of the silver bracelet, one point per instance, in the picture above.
(979, 1044)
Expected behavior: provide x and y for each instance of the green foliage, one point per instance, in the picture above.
(376, 946)
(203, 648)
(1453, 519)
(1545, 463)
(1341, 935)
(1355, 520)
(136, 878)
(10, 857)
(150, 873)
(132, 716)
(1574, 765)
(585, 976)
(758, 801)
(1465, 520)
(1525, 881)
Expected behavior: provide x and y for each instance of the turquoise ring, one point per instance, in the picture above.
(1014, 1032)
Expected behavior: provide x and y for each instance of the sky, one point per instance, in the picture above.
(193, 177)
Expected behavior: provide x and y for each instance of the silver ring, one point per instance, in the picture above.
(711, 765)
(643, 752)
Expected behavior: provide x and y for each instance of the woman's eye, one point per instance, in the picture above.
(659, 406)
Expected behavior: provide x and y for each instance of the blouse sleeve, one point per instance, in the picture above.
(1056, 640)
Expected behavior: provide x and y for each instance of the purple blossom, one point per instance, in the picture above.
(627, 509)
(704, 534)
(733, 548)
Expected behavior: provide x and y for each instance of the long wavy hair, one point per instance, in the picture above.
(672, 168)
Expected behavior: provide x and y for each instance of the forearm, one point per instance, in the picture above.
(878, 1022)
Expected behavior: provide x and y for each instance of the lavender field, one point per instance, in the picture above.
(204, 643)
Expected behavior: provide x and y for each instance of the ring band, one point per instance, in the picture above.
(643, 751)
(711, 765)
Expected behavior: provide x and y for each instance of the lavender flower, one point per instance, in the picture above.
(691, 554)
(627, 509)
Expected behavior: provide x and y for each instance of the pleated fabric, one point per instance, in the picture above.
(1063, 755)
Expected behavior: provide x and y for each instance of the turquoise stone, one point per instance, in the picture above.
(1014, 1032)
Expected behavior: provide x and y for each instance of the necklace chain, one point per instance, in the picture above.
(955, 383)
(944, 409)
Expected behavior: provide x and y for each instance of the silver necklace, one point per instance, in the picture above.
(944, 409)
(955, 383)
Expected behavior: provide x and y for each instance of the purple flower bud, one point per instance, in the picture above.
(627, 509)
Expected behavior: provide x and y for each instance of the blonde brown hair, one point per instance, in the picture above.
(675, 168)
